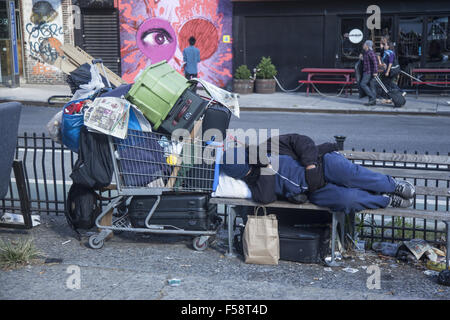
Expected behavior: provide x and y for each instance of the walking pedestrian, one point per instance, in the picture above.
(191, 57)
(370, 71)
(383, 41)
(391, 69)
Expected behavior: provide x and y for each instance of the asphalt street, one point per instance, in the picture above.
(411, 133)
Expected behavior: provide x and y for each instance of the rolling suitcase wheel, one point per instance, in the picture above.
(200, 243)
(396, 96)
(94, 243)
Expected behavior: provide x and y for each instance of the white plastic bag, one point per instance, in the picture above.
(86, 90)
(231, 188)
(54, 127)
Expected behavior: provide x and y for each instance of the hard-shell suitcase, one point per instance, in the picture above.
(184, 211)
(156, 91)
(216, 117)
(305, 244)
(188, 108)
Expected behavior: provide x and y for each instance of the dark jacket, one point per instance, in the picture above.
(370, 62)
(299, 148)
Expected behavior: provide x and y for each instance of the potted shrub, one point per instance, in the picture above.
(242, 80)
(265, 71)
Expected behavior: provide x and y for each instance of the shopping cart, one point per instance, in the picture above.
(150, 164)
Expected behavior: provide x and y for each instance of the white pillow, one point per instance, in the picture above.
(231, 188)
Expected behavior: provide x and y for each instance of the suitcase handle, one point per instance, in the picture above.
(182, 111)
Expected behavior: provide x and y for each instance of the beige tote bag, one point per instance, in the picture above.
(261, 241)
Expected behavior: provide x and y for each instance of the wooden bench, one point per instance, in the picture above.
(329, 76)
(411, 168)
(437, 72)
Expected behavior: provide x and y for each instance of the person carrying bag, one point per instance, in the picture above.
(261, 240)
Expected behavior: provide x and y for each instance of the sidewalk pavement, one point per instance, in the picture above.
(138, 266)
(425, 104)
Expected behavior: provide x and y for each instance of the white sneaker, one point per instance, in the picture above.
(398, 202)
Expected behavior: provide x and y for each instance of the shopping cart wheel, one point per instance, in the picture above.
(94, 243)
(200, 243)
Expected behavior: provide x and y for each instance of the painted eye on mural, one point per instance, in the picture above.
(156, 36)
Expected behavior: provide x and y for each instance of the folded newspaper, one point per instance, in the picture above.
(108, 115)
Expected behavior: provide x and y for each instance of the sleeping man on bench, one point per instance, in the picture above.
(316, 173)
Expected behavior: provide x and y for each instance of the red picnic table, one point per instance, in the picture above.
(440, 73)
(329, 76)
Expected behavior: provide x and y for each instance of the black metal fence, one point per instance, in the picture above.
(381, 228)
(48, 166)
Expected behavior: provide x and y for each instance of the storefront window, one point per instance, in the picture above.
(350, 51)
(438, 39)
(409, 41)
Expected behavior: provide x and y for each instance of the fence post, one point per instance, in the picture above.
(340, 142)
(349, 228)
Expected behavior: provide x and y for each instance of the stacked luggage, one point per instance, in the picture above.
(304, 237)
(166, 178)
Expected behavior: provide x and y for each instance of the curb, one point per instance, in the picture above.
(344, 111)
(275, 109)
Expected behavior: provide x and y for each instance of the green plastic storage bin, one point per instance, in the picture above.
(156, 91)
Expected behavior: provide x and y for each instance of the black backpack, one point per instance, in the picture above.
(94, 167)
(82, 207)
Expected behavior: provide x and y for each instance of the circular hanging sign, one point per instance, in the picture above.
(355, 36)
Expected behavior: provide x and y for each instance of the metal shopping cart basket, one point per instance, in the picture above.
(150, 164)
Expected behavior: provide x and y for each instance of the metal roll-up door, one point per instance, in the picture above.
(101, 37)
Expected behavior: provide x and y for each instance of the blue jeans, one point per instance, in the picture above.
(350, 187)
(366, 81)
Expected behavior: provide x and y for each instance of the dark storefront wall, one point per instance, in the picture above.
(282, 38)
(299, 34)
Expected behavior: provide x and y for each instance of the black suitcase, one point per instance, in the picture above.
(396, 95)
(216, 117)
(188, 108)
(304, 244)
(185, 211)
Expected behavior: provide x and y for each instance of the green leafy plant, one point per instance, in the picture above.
(18, 254)
(266, 69)
(242, 73)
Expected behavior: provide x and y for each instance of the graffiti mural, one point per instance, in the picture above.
(44, 34)
(155, 30)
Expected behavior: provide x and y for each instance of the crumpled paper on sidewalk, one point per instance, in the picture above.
(15, 218)
(419, 247)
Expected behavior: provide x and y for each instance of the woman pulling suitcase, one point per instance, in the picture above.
(391, 69)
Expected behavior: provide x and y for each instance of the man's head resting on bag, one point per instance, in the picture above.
(235, 163)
